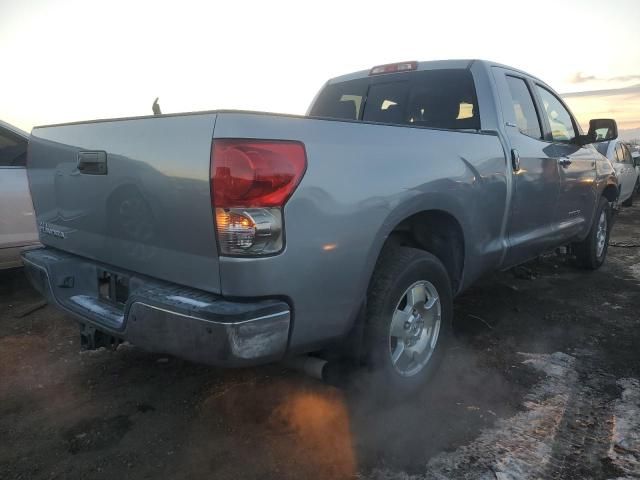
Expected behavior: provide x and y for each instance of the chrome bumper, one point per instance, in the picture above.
(163, 317)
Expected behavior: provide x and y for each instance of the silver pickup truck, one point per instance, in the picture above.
(235, 238)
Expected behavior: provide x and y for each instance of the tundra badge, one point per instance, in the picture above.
(49, 230)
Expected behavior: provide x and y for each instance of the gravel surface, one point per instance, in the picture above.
(542, 382)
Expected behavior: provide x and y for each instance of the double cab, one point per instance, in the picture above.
(237, 238)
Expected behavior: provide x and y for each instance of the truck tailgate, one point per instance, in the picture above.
(132, 193)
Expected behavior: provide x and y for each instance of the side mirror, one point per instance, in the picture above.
(603, 129)
(600, 130)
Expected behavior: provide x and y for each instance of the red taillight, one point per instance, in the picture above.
(251, 180)
(255, 173)
(394, 68)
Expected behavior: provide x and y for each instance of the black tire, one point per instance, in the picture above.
(628, 202)
(398, 269)
(587, 251)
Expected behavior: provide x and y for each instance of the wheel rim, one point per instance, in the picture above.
(601, 235)
(414, 329)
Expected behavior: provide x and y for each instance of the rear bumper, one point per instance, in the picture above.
(163, 317)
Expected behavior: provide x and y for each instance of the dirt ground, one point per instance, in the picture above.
(542, 382)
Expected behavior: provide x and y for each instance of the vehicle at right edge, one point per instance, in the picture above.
(635, 154)
(625, 166)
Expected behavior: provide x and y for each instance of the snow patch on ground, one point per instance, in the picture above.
(625, 445)
(635, 271)
(518, 447)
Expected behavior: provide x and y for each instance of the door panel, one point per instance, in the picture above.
(535, 199)
(627, 172)
(576, 164)
(536, 180)
(577, 191)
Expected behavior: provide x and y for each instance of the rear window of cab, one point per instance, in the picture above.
(432, 98)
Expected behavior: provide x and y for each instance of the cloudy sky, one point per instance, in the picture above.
(71, 60)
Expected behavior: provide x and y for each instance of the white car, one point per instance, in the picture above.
(620, 157)
(17, 220)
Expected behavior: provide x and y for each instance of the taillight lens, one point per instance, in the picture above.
(251, 180)
(253, 173)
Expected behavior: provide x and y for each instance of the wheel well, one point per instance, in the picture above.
(438, 233)
(611, 193)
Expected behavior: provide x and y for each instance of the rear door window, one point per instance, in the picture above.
(13, 149)
(524, 108)
(432, 98)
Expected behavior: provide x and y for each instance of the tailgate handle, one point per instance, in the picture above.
(92, 163)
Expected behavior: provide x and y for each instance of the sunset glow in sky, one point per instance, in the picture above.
(81, 59)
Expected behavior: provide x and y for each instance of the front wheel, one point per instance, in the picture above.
(409, 317)
(592, 251)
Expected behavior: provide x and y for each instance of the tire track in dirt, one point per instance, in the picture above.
(580, 447)
(624, 452)
(577, 423)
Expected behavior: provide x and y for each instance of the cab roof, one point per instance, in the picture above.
(434, 65)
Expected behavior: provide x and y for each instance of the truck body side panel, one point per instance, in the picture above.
(361, 181)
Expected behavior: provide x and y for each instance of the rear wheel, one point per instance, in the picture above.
(592, 251)
(629, 201)
(409, 317)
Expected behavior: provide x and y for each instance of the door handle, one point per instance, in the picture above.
(564, 161)
(515, 159)
(92, 163)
